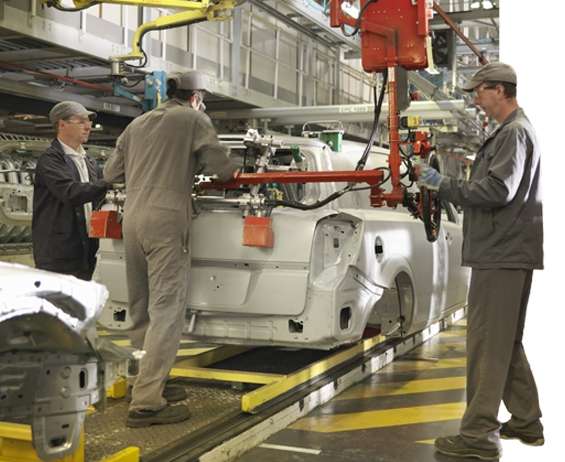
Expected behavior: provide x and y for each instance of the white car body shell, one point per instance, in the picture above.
(331, 272)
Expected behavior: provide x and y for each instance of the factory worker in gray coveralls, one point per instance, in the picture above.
(503, 244)
(157, 157)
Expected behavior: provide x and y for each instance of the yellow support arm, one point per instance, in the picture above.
(194, 11)
(80, 4)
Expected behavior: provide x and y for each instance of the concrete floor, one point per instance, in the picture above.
(393, 416)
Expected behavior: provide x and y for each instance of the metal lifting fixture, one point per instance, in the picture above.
(393, 33)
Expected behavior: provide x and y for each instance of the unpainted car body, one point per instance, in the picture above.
(49, 361)
(331, 273)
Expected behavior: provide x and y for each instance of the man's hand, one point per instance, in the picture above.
(429, 178)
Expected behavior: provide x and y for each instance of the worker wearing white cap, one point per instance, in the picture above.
(157, 156)
(67, 184)
(503, 244)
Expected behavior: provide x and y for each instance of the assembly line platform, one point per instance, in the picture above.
(274, 404)
(238, 396)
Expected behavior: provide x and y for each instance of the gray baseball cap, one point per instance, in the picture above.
(191, 80)
(494, 72)
(66, 109)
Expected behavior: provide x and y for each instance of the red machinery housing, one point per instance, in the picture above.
(393, 32)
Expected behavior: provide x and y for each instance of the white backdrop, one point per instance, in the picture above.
(532, 42)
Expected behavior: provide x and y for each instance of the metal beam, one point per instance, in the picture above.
(289, 22)
(322, 21)
(48, 94)
(463, 16)
(317, 18)
(346, 113)
(433, 92)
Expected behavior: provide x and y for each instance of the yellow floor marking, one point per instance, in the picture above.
(403, 388)
(414, 365)
(426, 441)
(458, 347)
(193, 351)
(453, 333)
(380, 419)
(127, 342)
(442, 348)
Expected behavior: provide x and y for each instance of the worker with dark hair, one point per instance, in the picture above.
(503, 244)
(66, 186)
(157, 157)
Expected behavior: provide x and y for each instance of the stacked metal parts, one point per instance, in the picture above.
(18, 155)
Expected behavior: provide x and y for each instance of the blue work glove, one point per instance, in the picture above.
(430, 178)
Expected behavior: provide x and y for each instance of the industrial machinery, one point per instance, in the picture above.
(278, 263)
(393, 34)
(185, 12)
(48, 337)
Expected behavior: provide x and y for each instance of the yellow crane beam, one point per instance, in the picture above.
(192, 12)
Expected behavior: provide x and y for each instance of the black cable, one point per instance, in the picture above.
(360, 164)
(365, 188)
(134, 84)
(408, 166)
(145, 59)
(315, 205)
(378, 107)
(358, 24)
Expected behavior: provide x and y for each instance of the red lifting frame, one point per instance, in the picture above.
(393, 33)
(372, 177)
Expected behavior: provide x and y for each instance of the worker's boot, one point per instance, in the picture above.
(168, 415)
(172, 393)
(455, 446)
(508, 433)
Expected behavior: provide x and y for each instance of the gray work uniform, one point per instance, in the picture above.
(157, 157)
(503, 244)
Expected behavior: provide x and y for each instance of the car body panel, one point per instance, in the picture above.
(331, 272)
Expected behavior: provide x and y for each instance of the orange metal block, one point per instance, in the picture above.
(258, 232)
(105, 224)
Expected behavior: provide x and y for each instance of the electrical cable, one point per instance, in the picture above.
(377, 114)
(315, 205)
(360, 164)
(143, 62)
(358, 24)
(145, 58)
(133, 83)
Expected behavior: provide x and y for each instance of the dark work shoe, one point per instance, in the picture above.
(455, 446)
(167, 415)
(508, 434)
(172, 393)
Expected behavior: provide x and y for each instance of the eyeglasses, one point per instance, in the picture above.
(79, 121)
(482, 87)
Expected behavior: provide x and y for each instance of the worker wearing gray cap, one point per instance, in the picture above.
(503, 244)
(157, 156)
(67, 184)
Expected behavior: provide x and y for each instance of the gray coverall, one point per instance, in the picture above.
(503, 244)
(157, 157)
